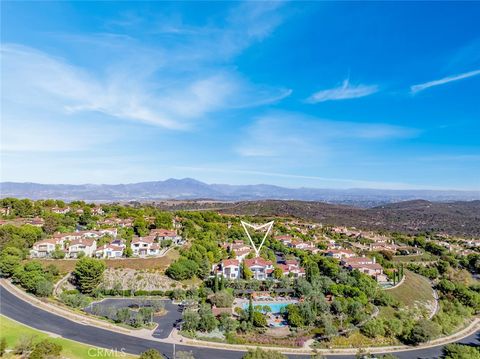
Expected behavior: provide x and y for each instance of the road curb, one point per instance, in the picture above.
(473, 327)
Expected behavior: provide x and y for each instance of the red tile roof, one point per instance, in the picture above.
(230, 262)
(259, 261)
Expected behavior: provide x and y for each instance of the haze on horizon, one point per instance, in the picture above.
(318, 95)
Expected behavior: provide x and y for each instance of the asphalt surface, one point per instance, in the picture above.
(165, 322)
(23, 312)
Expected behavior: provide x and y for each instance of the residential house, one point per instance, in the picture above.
(109, 251)
(261, 268)
(44, 248)
(357, 260)
(228, 268)
(240, 249)
(383, 246)
(109, 232)
(97, 210)
(59, 210)
(145, 246)
(285, 239)
(292, 266)
(85, 245)
(165, 235)
(36, 221)
(365, 265)
(340, 253)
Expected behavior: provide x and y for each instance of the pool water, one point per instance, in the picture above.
(276, 307)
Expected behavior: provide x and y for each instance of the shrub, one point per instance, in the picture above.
(46, 349)
(423, 331)
(259, 319)
(222, 299)
(24, 344)
(3, 346)
(373, 328)
(75, 300)
(264, 354)
(460, 351)
(43, 288)
(151, 354)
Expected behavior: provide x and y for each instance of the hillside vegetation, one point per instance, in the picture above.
(455, 218)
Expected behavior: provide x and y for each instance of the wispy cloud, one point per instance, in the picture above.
(317, 181)
(343, 92)
(169, 84)
(285, 135)
(420, 87)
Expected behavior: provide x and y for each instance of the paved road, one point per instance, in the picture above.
(165, 322)
(23, 312)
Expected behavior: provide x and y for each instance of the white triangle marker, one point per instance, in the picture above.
(269, 226)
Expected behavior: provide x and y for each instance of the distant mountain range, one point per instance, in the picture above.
(187, 188)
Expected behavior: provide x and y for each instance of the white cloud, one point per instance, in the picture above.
(420, 87)
(343, 92)
(169, 84)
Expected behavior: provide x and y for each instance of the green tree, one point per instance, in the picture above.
(373, 328)
(227, 323)
(190, 320)
(423, 331)
(222, 299)
(460, 351)
(140, 226)
(182, 269)
(207, 321)
(277, 273)
(164, 220)
(151, 354)
(43, 288)
(294, 317)
(128, 251)
(259, 319)
(8, 264)
(88, 273)
(247, 274)
(58, 253)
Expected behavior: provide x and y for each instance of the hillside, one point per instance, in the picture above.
(455, 218)
(188, 189)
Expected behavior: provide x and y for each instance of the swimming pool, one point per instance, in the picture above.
(276, 307)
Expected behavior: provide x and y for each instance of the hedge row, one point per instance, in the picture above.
(137, 293)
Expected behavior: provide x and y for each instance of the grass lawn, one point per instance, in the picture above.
(415, 291)
(13, 331)
(160, 263)
(425, 257)
(415, 288)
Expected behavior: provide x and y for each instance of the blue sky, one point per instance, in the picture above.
(320, 94)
